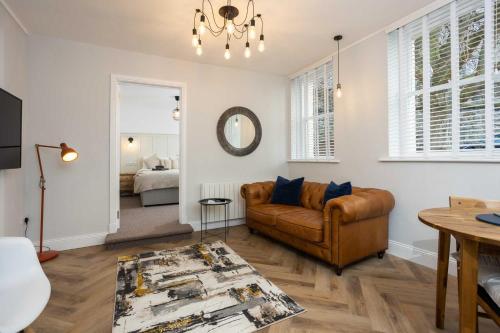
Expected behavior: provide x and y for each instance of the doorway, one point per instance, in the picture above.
(147, 157)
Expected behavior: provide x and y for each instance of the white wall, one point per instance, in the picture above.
(13, 45)
(143, 146)
(361, 139)
(147, 109)
(69, 93)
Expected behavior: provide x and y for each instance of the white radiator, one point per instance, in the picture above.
(223, 190)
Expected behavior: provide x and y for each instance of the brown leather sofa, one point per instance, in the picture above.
(343, 231)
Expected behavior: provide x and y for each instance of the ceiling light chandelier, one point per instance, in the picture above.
(230, 28)
(176, 113)
(338, 38)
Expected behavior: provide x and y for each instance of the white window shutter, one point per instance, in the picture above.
(312, 121)
(444, 69)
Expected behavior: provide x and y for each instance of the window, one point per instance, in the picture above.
(444, 83)
(312, 115)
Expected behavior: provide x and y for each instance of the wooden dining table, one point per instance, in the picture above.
(463, 225)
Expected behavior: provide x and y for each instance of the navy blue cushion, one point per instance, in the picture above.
(334, 191)
(287, 192)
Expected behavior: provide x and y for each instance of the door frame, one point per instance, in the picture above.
(114, 144)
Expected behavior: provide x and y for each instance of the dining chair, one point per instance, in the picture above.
(489, 264)
(24, 288)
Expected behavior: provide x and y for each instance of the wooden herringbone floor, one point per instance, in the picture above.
(389, 295)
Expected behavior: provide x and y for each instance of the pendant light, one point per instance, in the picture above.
(338, 38)
(248, 52)
(176, 113)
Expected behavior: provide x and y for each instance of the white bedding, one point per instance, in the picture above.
(147, 179)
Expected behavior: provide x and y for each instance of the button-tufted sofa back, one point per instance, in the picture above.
(311, 197)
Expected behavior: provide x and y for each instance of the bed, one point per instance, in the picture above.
(157, 187)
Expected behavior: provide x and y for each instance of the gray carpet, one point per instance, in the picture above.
(138, 223)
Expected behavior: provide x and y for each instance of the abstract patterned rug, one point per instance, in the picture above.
(198, 288)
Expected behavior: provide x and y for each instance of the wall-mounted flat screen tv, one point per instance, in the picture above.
(10, 130)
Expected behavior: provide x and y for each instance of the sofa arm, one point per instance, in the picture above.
(361, 205)
(257, 193)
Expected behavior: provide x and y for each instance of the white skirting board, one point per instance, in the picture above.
(419, 256)
(74, 242)
(404, 251)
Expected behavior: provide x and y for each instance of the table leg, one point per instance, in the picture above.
(206, 222)
(468, 286)
(225, 223)
(201, 223)
(442, 277)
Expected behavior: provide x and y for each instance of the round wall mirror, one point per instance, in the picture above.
(239, 131)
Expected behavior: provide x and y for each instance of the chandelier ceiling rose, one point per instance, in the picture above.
(205, 22)
(229, 12)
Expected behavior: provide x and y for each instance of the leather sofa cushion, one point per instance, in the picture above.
(305, 224)
(267, 213)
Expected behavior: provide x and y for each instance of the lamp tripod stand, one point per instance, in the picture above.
(67, 155)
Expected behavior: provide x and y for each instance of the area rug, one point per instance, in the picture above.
(198, 288)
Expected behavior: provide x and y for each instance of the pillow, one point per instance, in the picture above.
(152, 161)
(175, 163)
(334, 191)
(167, 163)
(287, 192)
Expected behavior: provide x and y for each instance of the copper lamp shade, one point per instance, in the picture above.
(68, 154)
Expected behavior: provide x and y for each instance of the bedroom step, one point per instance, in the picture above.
(122, 242)
(147, 224)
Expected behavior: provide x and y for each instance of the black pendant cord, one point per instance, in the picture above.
(246, 15)
(197, 11)
(338, 38)
(224, 25)
(215, 33)
(259, 16)
(242, 33)
(338, 62)
(213, 15)
(211, 25)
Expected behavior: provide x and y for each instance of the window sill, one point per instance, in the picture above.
(439, 160)
(314, 161)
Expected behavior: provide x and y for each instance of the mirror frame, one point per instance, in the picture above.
(228, 147)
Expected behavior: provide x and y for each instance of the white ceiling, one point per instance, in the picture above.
(147, 91)
(147, 109)
(148, 96)
(297, 32)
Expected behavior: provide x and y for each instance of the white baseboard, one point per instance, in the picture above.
(419, 256)
(404, 251)
(74, 242)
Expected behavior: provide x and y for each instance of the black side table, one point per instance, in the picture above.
(212, 202)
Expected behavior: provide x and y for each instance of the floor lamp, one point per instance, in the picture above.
(67, 155)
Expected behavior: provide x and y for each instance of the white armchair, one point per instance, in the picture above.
(24, 288)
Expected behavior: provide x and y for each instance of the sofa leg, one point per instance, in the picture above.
(338, 270)
(252, 231)
(380, 254)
